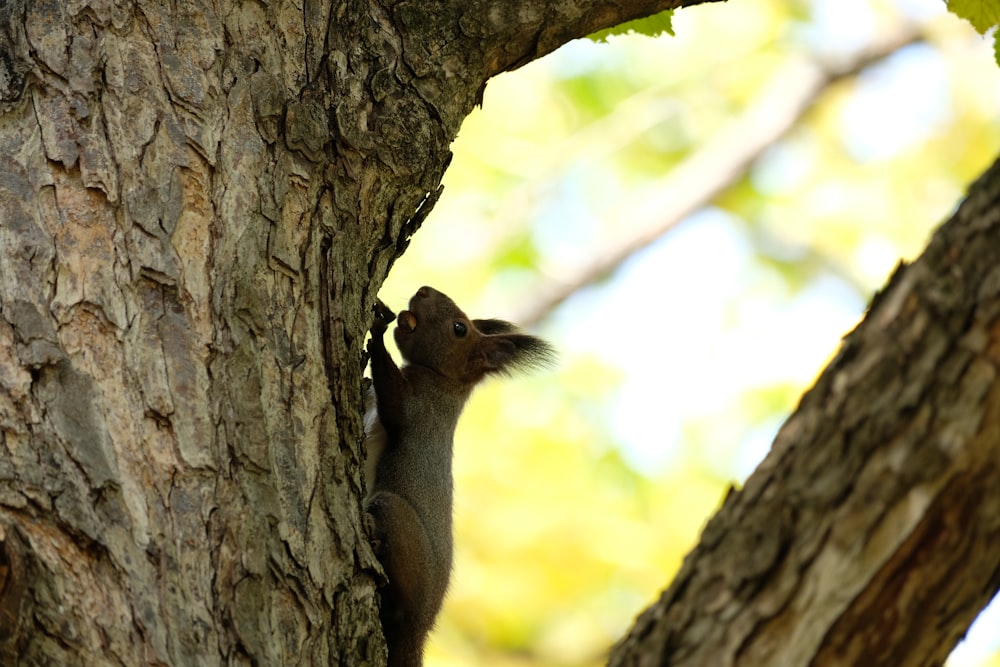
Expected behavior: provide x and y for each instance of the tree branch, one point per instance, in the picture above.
(529, 31)
(511, 34)
(463, 43)
(867, 536)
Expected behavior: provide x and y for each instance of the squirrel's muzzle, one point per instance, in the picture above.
(406, 321)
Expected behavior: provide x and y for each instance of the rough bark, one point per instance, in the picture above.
(198, 204)
(869, 534)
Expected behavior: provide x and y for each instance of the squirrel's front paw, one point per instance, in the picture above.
(376, 536)
(383, 316)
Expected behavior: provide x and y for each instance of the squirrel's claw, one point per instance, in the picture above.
(383, 316)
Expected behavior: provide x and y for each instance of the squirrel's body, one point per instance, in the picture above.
(410, 448)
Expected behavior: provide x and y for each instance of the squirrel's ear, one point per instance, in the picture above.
(491, 327)
(508, 352)
(497, 353)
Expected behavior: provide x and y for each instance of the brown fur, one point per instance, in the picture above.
(418, 405)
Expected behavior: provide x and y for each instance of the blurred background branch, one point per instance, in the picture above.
(721, 162)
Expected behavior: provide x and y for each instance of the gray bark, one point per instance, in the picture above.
(198, 205)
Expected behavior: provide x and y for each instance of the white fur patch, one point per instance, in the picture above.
(375, 439)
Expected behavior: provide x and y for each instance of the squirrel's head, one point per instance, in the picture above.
(435, 333)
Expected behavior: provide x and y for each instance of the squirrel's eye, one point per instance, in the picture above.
(459, 329)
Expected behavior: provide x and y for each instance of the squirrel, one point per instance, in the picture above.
(411, 414)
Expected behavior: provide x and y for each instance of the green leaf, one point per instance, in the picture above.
(982, 14)
(651, 26)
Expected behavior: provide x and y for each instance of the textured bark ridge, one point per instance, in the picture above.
(869, 534)
(198, 204)
(176, 483)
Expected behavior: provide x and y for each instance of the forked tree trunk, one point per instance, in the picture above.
(197, 207)
(198, 204)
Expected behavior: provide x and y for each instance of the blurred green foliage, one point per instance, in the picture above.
(579, 491)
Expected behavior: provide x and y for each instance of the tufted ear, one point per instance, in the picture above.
(491, 327)
(505, 353)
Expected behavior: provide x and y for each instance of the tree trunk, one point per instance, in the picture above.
(869, 534)
(198, 205)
